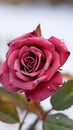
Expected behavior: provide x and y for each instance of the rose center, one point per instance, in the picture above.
(29, 63)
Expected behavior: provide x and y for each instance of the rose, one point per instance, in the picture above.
(32, 65)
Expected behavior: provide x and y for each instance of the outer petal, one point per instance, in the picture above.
(50, 71)
(10, 82)
(19, 39)
(38, 42)
(4, 74)
(45, 89)
(14, 82)
(12, 58)
(31, 34)
(60, 48)
(47, 63)
(14, 43)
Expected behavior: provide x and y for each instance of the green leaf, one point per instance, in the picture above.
(8, 113)
(58, 122)
(16, 98)
(19, 100)
(64, 98)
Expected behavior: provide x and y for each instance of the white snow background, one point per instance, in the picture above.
(54, 20)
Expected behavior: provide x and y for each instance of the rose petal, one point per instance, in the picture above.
(40, 56)
(16, 83)
(11, 50)
(19, 39)
(38, 43)
(16, 65)
(11, 89)
(54, 68)
(17, 69)
(45, 89)
(33, 74)
(22, 51)
(23, 77)
(14, 43)
(60, 48)
(48, 61)
(29, 63)
(4, 74)
(50, 71)
(31, 41)
(12, 58)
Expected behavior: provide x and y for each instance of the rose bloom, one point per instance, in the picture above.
(32, 66)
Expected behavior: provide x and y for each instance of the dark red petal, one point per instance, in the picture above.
(45, 89)
(61, 49)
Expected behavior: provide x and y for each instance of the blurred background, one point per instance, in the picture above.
(18, 17)
(31, 1)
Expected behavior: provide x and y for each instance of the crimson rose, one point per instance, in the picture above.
(32, 66)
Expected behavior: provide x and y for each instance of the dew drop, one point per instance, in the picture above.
(57, 118)
(48, 87)
(62, 40)
(12, 42)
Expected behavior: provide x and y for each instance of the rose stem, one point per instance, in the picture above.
(46, 113)
(32, 127)
(21, 123)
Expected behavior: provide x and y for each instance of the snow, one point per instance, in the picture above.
(55, 21)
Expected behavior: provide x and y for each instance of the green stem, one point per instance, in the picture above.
(21, 123)
(32, 127)
(46, 113)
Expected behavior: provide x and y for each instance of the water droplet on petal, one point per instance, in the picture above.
(12, 43)
(57, 118)
(62, 40)
(48, 87)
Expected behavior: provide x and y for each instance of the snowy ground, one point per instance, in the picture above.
(54, 20)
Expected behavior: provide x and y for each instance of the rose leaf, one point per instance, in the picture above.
(64, 98)
(58, 122)
(16, 98)
(8, 113)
